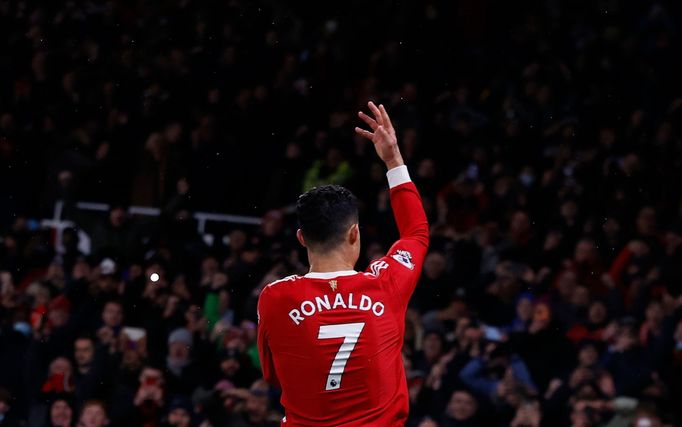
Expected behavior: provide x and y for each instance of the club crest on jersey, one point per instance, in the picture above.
(404, 258)
(333, 284)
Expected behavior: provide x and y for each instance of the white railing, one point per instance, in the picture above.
(59, 224)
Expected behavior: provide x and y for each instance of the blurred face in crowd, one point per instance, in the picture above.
(40, 294)
(580, 297)
(132, 359)
(257, 402)
(81, 269)
(376, 171)
(333, 158)
(654, 314)
(178, 351)
(237, 241)
(524, 309)
(472, 333)
(250, 331)
(112, 315)
(597, 314)
(179, 417)
(93, 415)
(272, 223)
(626, 338)
(55, 273)
(428, 423)
(588, 356)
(462, 406)
(209, 265)
(541, 315)
(60, 414)
(646, 222)
(230, 366)
(257, 406)
(569, 210)
(151, 376)
(117, 217)
(519, 224)
(426, 169)
(672, 240)
(219, 280)
(606, 384)
(84, 352)
(433, 347)
(585, 251)
(60, 366)
(580, 419)
(586, 391)
(566, 283)
(58, 317)
(434, 265)
(611, 228)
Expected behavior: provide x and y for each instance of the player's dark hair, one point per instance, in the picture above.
(324, 215)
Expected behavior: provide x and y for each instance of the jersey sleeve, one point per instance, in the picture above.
(405, 258)
(266, 361)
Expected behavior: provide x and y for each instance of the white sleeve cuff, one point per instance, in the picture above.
(398, 175)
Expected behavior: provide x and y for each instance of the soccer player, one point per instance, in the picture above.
(332, 339)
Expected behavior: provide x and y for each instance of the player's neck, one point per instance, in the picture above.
(328, 262)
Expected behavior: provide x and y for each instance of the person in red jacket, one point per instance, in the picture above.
(332, 339)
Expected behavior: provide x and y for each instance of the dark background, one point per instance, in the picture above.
(544, 136)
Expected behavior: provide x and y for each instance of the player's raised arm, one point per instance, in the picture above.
(410, 250)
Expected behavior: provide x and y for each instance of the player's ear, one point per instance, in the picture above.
(354, 234)
(299, 236)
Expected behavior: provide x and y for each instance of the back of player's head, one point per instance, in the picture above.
(324, 215)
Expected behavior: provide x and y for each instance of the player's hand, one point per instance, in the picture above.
(382, 135)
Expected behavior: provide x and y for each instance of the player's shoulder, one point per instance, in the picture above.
(279, 285)
(398, 259)
(292, 278)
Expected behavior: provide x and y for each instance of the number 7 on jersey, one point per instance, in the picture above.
(350, 332)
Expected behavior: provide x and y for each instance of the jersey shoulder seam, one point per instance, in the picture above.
(284, 279)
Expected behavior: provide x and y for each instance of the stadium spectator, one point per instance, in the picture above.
(61, 414)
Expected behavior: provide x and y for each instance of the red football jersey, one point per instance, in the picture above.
(332, 341)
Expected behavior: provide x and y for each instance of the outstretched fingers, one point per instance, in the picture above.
(377, 113)
(367, 119)
(364, 133)
(384, 116)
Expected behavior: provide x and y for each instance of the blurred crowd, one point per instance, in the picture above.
(545, 139)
